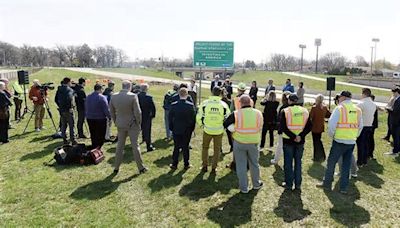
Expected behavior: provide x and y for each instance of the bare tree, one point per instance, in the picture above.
(333, 60)
(360, 62)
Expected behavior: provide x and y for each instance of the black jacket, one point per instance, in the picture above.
(182, 118)
(108, 92)
(229, 90)
(284, 129)
(395, 116)
(175, 98)
(64, 98)
(147, 106)
(270, 113)
(80, 97)
(253, 93)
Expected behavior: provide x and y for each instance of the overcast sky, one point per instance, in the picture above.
(149, 28)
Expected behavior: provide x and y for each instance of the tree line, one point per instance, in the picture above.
(62, 56)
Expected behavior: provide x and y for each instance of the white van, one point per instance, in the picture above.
(396, 74)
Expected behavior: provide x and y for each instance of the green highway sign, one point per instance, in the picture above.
(208, 54)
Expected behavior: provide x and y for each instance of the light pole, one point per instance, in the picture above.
(302, 46)
(375, 40)
(317, 43)
(372, 55)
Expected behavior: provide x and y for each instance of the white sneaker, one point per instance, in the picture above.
(392, 154)
(244, 192)
(260, 149)
(37, 129)
(354, 175)
(42, 128)
(274, 162)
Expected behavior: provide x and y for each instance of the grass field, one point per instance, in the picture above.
(35, 195)
(310, 85)
(144, 72)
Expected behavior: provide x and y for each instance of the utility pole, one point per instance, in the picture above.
(302, 46)
(317, 43)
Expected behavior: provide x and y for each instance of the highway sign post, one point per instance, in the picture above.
(212, 54)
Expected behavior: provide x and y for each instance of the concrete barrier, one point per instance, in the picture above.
(9, 74)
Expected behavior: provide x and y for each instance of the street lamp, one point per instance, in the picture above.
(375, 40)
(317, 43)
(302, 46)
(372, 54)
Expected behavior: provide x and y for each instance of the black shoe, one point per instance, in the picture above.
(82, 137)
(74, 142)
(204, 169)
(187, 167)
(151, 148)
(65, 142)
(173, 167)
(143, 170)
(116, 171)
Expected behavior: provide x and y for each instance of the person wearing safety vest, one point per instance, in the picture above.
(235, 105)
(246, 125)
(294, 127)
(210, 117)
(344, 126)
(18, 98)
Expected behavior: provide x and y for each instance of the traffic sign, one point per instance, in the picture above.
(210, 54)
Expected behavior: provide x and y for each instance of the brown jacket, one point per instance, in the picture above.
(317, 116)
(125, 110)
(35, 92)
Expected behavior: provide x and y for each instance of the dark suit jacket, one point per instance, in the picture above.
(395, 116)
(182, 118)
(269, 88)
(147, 106)
(213, 84)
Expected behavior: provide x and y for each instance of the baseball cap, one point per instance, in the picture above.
(242, 86)
(110, 82)
(293, 97)
(345, 94)
(396, 89)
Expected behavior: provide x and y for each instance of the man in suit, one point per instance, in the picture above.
(216, 82)
(80, 97)
(127, 116)
(270, 86)
(181, 122)
(395, 123)
(148, 113)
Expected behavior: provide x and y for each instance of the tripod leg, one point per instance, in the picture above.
(26, 126)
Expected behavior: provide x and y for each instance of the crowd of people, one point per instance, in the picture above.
(132, 110)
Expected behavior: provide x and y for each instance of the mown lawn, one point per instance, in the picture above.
(144, 72)
(311, 86)
(33, 194)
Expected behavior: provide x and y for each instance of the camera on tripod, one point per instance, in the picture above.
(46, 86)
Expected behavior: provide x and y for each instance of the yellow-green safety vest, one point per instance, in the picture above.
(211, 115)
(347, 126)
(296, 119)
(248, 125)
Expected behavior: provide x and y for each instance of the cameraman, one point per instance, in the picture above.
(80, 105)
(64, 100)
(38, 96)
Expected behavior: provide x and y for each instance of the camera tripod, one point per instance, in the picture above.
(46, 105)
(26, 109)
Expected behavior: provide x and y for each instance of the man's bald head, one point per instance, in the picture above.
(245, 100)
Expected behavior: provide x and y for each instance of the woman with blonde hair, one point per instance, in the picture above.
(318, 113)
(279, 147)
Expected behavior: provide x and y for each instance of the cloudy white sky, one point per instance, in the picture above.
(149, 28)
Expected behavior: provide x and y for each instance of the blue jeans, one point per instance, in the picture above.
(339, 150)
(166, 124)
(396, 138)
(292, 153)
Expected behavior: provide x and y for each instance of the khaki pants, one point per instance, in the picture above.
(39, 115)
(217, 148)
(133, 134)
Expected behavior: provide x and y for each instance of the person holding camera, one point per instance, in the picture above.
(37, 95)
(64, 100)
(80, 105)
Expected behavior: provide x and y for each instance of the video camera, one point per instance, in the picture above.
(46, 86)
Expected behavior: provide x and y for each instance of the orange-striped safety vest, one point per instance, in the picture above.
(248, 125)
(296, 119)
(347, 126)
